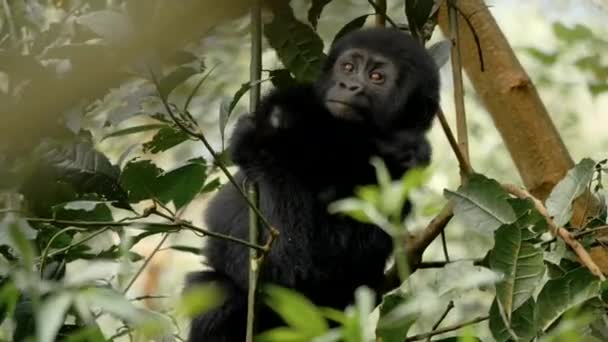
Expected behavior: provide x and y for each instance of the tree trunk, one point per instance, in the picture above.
(516, 108)
(511, 99)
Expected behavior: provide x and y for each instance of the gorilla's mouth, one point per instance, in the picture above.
(343, 110)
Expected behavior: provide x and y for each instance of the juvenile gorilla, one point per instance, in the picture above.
(305, 147)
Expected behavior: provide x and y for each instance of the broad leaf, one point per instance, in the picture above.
(83, 211)
(352, 25)
(181, 185)
(521, 264)
(51, 316)
(522, 325)
(571, 35)
(314, 13)
(133, 130)
(299, 48)
(393, 330)
(166, 138)
(482, 204)
(561, 294)
(559, 203)
(174, 79)
(139, 179)
(298, 311)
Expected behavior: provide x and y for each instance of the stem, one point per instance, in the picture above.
(254, 266)
(443, 316)
(45, 252)
(108, 224)
(447, 329)
(463, 162)
(146, 262)
(461, 119)
(255, 262)
(578, 249)
(200, 136)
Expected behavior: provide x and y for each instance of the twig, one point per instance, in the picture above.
(200, 136)
(45, 252)
(176, 225)
(440, 264)
(589, 231)
(146, 262)
(72, 245)
(443, 316)
(135, 299)
(418, 244)
(444, 244)
(255, 262)
(560, 232)
(447, 329)
(180, 223)
(465, 167)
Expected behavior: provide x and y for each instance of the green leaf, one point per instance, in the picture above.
(133, 130)
(352, 25)
(298, 311)
(482, 204)
(529, 220)
(200, 299)
(299, 48)
(393, 330)
(559, 203)
(543, 57)
(561, 294)
(83, 211)
(417, 13)
(314, 13)
(571, 35)
(178, 76)
(523, 323)
(283, 334)
(164, 139)
(521, 264)
(597, 88)
(187, 249)
(51, 316)
(181, 185)
(111, 302)
(139, 179)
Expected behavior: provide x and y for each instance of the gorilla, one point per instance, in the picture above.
(306, 146)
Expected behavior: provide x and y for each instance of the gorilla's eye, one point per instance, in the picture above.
(348, 67)
(376, 76)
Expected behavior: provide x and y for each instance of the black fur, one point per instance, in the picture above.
(303, 158)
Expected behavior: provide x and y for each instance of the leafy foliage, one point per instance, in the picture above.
(105, 175)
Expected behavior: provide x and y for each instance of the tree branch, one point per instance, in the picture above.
(560, 232)
(446, 329)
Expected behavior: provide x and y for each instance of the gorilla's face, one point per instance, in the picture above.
(361, 83)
